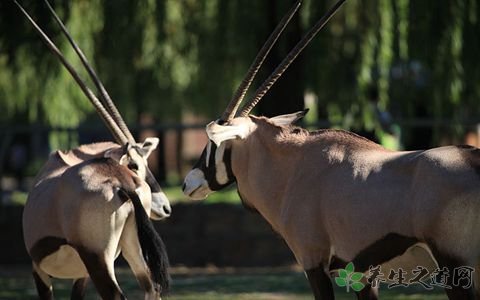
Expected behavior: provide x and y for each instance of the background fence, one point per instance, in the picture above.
(24, 148)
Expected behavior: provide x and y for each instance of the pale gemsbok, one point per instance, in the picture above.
(336, 197)
(93, 202)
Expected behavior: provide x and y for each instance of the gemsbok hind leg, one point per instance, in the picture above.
(367, 293)
(320, 283)
(79, 288)
(43, 283)
(447, 261)
(131, 251)
(102, 274)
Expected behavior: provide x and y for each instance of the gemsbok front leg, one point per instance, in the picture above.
(454, 291)
(367, 293)
(143, 248)
(79, 288)
(320, 283)
(43, 283)
(132, 252)
(101, 271)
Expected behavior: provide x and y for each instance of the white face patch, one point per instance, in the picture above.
(220, 168)
(220, 133)
(209, 150)
(145, 195)
(196, 187)
(159, 204)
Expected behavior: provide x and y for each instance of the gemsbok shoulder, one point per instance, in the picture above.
(94, 202)
(336, 197)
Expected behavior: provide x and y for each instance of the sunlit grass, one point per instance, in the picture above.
(176, 195)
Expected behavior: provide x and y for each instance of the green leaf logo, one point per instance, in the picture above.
(357, 286)
(350, 268)
(356, 276)
(340, 281)
(349, 278)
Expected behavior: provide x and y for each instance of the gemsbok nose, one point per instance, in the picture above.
(161, 208)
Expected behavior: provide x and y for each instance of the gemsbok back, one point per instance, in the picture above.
(94, 202)
(336, 197)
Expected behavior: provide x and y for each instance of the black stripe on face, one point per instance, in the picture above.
(210, 171)
(151, 181)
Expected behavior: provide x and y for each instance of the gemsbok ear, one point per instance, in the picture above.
(149, 145)
(219, 133)
(116, 153)
(125, 158)
(284, 120)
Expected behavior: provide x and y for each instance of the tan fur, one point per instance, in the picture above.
(75, 198)
(353, 191)
(332, 193)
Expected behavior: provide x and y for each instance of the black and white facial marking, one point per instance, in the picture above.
(212, 172)
(160, 205)
(134, 157)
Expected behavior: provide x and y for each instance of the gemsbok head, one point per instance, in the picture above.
(336, 197)
(94, 202)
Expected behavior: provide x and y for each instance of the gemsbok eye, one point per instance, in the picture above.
(133, 166)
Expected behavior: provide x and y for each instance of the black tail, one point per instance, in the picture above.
(153, 248)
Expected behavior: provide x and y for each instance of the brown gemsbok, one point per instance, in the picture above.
(94, 202)
(336, 197)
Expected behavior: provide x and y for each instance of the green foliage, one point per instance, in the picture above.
(18, 198)
(175, 195)
(167, 57)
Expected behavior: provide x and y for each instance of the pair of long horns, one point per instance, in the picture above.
(282, 67)
(105, 106)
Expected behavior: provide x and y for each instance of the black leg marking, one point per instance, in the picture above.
(367, 293)
(98, 271)
(320, 283)
(337, 263)
(44, 291)
(45, 246)
(383, 250)
(79, 288)
(451, 262)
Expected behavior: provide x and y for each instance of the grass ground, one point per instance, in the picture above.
(204, 284)
(174, 194)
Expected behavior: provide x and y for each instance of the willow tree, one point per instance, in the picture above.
(167, 57)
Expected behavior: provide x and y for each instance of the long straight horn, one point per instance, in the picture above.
(267, 84)
(257, 63)
(112, 126)
(104, 96)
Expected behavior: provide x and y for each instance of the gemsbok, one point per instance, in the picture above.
(94, 202)
(336, 197)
